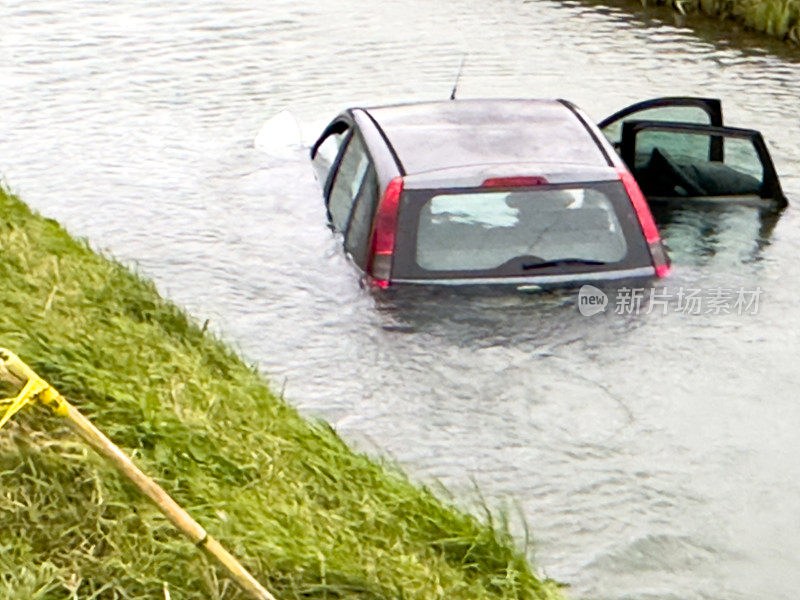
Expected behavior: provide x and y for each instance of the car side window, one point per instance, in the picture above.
(347, 183)
(358, 231)
(689, 148)
(327, 150)
(672, 160)
(701, 111)
(680, 114)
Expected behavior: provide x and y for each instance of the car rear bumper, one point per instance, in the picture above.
(548, 280)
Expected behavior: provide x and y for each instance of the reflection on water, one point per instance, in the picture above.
(653, 456)
(697, 234)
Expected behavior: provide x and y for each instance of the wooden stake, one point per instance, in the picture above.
(15, 372)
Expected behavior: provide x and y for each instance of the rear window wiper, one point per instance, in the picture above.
(561, 262)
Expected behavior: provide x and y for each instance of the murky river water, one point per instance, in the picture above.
(652, 456)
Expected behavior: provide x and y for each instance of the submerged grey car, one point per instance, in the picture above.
(524, 192)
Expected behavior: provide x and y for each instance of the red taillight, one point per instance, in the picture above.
(640, 206)
(648, 225)
(514, 181)
(383, 233)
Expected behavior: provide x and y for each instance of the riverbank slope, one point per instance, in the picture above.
(309, 517)
(776, 18)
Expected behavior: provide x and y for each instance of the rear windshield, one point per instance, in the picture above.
(519, 231)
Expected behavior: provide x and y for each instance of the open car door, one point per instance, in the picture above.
(677, 109)
(677, 148)
(684, 161)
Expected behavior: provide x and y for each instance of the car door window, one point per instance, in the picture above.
(347, 183)
(740, 154)
(356, 240)
(689, 148)
(326, 149)
(673, 160)
(702, 111)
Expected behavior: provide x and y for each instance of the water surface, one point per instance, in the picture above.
(652, 456)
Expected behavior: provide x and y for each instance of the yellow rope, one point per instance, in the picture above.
(12, 369)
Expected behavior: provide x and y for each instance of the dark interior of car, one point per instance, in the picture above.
(664, 176)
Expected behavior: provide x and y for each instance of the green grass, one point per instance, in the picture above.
(309, 517)
(778, 18)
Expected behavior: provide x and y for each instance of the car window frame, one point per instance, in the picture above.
(770, 185)
(375, 167)
(363, 245)
(354, 133)
(711, 106)
(332, 129)
(404, 260)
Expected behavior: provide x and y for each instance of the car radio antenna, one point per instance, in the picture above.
(458, 76)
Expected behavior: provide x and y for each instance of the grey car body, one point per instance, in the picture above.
(500, 158)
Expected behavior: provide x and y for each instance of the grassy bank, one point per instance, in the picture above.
(778, 18)
(309, 517)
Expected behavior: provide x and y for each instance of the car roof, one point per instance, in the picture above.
(430, 136)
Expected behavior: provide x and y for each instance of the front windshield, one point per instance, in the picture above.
(484, 230)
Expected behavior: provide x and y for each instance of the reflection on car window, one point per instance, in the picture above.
(357, 238)
(326, 154)
(347, 182)
(472, 209)
(690, 148)
(484, 230)
(680, 114)
(740, 154)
